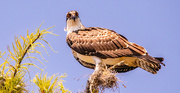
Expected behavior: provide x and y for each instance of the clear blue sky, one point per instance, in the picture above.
(153, 24)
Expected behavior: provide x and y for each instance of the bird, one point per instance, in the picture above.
(93, 45)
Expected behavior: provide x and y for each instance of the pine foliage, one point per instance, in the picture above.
(12, 76)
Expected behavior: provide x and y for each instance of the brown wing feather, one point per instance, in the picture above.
(106, 43)
(103, 43)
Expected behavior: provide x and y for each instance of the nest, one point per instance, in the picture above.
(101, 79)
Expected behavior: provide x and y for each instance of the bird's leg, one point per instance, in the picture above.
(98, 71)
(118, 64)
(99, 65)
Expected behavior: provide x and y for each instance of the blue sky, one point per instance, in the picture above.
(153, 24)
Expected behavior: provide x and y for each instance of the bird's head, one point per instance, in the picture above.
(73, 22)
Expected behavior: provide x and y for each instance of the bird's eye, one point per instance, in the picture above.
(68, 15)
(76, 14)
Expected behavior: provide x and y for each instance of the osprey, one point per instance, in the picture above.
(93, 45)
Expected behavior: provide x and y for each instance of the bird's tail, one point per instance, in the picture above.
(150, 64)
(160, 59)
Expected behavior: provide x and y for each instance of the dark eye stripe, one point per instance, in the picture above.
(68, 15)
(76, 14)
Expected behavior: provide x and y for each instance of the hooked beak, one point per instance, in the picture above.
(74, 18)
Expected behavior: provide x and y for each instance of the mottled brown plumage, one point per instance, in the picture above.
(108, 46)
(105, 43)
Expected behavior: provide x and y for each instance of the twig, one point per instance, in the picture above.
(19, 63)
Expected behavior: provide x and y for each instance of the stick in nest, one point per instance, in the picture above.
(101, 79)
